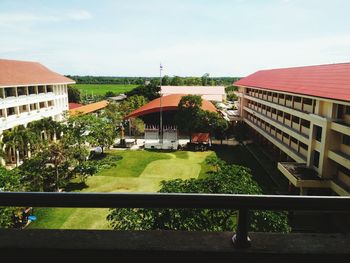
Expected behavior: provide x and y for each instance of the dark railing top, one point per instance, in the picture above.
(174, 200)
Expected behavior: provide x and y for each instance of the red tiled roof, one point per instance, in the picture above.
(73, 105)
(14, 72)
(89, 108)
(169, 102)
(327, 81)
(200, 137)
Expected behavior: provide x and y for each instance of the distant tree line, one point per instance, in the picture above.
(205, 80)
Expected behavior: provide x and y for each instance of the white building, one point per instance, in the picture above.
(211, 93)
(28, 92)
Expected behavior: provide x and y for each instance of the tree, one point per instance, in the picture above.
(57, 157)
(101, 133)
(228, 179)
(189, 109)
(165, 80)
(137, 126)
(177, 81)
(130, 104)
(73, 94)
(9, 181)
(150, 91)
(205, 79)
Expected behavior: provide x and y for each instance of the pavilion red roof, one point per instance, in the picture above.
(327, 81)
(169, 102)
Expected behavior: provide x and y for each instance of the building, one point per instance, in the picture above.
(29, 91)
(166, 106)
(211, 93)
(89, 108)
(304, 113)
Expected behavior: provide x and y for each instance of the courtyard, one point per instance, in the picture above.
(137, 171)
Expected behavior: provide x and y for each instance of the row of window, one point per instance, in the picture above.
(11, 92)
(282, 117)
(285, 138)
(26, 108)
(296, 102)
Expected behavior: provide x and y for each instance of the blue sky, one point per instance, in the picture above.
(189, 37)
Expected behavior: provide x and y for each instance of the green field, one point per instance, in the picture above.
(101, 89)
(138, 171)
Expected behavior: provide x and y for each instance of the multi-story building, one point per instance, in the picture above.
(304, 113)
(28, 92)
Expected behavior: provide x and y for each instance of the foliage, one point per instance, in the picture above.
(9, 181)
(187, 116)
(150, 91)
(231, 89)
(101, 133)
(228, 179)
(166, 80)
(73, 94)
(137, 126)
(84, 170)
(191, 118)
(103, 161)
(130, 104)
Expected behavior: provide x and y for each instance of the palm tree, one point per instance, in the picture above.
(57, 157)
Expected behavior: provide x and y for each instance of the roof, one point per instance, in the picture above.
(169, 102)
(89, 108)
(200, 137)
(73, 105)
(14, 72)
(193, 90)
(327, 81)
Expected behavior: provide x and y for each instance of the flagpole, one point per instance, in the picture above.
(161, 110)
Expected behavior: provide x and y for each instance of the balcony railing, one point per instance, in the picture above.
(242, 203)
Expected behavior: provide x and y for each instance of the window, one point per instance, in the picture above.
(297, 99)
(316, 159)
(9, 92)
(347, 110)
(21, 91)
(340, 111)
(318, 133)
(49, 88)
(305, 123)
(303, 145)
(346, 140)
(41, 89)
(10, 111)
(31, 90)
(307, 101)
(344, 170)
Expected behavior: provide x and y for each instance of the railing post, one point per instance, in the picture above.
(241, 239)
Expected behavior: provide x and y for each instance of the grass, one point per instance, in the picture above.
(101, 89)
(138, 171)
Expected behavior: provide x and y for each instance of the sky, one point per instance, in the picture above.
(188, 37)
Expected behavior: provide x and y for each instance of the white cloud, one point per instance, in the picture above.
(11, 18)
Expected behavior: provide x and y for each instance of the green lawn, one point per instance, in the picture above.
(138, 171)
(101, 89)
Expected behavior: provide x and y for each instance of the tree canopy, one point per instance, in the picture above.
(224, 179)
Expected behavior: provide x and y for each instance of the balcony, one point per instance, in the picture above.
(165, 245)
(340, 157)
(301, 176)
(341, 127)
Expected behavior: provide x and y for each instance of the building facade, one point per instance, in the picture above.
(29, 92)
(211, 93)
(304, 113)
